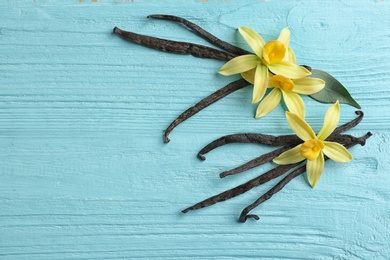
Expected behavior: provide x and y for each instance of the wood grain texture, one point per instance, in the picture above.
(84, 172)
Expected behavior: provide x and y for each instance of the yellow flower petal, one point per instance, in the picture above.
(261, 83)
(308, 86)
(249, 75)
(300, 127)
(337, 152)
(269, 103)
(290, 156)
(239, 64)
(253, 39)
(290, 56)
(289, 70)
(284, 36)
(294, 103)
(314, 169)
(331, 120)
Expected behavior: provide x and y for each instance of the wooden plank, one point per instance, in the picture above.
(84, 173)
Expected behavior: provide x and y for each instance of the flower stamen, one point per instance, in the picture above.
(310, 149)
(285, 84)
(274, 52)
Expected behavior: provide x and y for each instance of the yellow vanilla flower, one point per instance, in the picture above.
(314, 146)
(270, 56)
(287, 88)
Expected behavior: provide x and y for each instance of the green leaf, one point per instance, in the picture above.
(332, 91)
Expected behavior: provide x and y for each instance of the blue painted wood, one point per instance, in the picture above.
(84, 173)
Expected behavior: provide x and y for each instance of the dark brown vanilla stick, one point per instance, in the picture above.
(249, 138)
(256, 162)
(228, 194)
(271, 155)
(278, 187)
(217, 95)
(271, 174)
(175, 46)
(202, 33)
(270, 139)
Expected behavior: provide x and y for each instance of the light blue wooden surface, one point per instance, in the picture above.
(84, 173)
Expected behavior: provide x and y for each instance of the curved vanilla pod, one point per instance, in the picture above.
(278, 187)
(248, 138)
(202, 33)
(270, 139)
(350, 124)
(217, 95)
(175, 46)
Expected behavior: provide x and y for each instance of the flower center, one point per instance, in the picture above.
(285, 84)
(274, 52)
(310, 149)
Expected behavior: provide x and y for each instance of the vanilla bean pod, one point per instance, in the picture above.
(270, 139)
(193, 49)
(350, 124)
(217, 95)
(202, 33)
(339, 138)
(255, 162)
(248, 138)
(260, 139)
(343, 139)
(269, 175)
(278, 187)
(231, 193)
